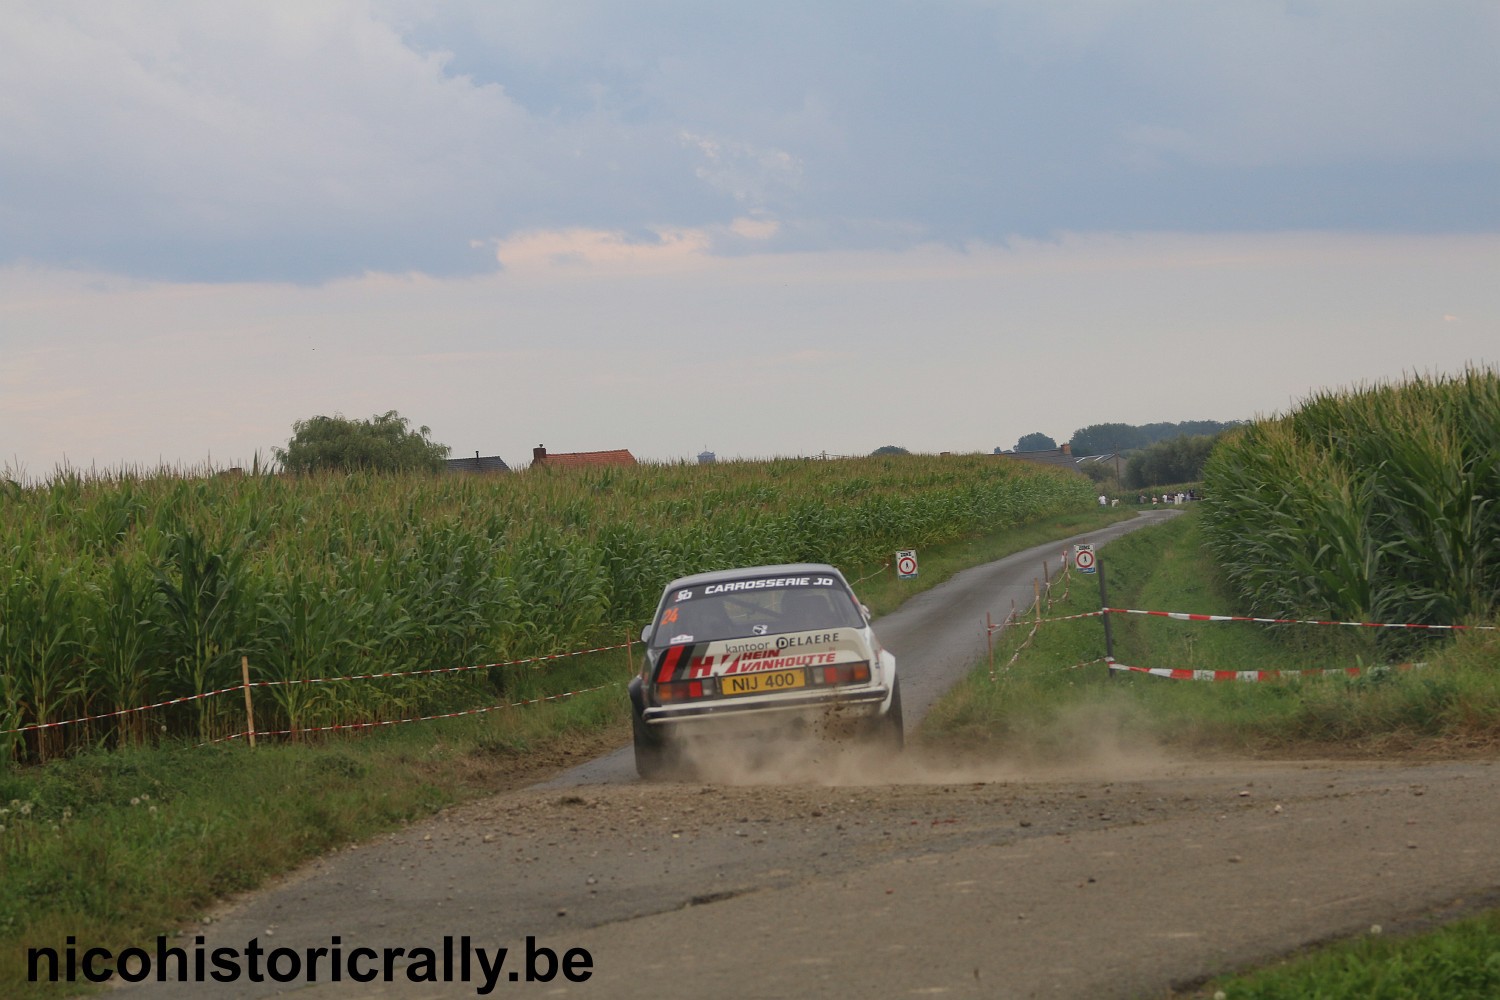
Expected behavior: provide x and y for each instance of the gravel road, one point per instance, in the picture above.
(1121, 875)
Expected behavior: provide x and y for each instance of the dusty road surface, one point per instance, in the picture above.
(1118, 874)
(1117, 879)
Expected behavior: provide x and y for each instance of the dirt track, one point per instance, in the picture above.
(1121, 875)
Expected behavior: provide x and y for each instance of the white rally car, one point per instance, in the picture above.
(744, 650)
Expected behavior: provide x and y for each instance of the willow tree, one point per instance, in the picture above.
(384, 443)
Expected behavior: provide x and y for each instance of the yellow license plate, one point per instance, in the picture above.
(778, 680)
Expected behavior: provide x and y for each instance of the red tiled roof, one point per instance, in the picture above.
(586, 459)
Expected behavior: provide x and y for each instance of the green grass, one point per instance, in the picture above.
(117, 846)
(1453, 702)
(1458, 962)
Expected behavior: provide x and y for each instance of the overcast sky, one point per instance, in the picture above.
(763, 229)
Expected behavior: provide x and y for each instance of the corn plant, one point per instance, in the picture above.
(123, 667)
(1378, 504)
(139, 587)
(200, 594)
(39, 650)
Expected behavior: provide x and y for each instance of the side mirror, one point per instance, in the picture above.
(865, 610)
(646, 634)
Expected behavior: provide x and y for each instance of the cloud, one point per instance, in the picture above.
(235, 141)
(655, 250)
(755, 229)
(594, 248)
(210, 139)
(747, 174)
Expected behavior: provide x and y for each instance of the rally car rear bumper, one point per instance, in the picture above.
(863, 703)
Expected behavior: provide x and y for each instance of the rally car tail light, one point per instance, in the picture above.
(685, 690)
(841, 673)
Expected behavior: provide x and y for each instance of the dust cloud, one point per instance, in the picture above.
(1085, 743)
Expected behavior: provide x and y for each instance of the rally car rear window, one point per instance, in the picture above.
(735, 609)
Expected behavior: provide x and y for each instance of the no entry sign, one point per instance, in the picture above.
(906, 563)
(1083, 558)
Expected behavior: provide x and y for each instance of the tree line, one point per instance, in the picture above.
(1108, 439)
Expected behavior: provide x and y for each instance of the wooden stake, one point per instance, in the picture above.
(989, 642)
(629, 653)
(249, 708)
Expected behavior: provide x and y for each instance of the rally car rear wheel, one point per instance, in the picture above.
(653, 753)
(889, 731)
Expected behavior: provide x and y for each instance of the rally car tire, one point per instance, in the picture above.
(652, 753)
(889, 731)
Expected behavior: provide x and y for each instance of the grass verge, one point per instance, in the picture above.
(1452, 703)
(1457, 962)
(116, 847)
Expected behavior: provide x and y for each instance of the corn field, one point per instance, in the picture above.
(1381, 504)
(124, 590)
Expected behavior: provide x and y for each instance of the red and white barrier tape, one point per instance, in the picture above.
(438, 670)
(1020, 649)
(1243, 676)
(1186, 617)
(423, 718)
(1046, 621)
(1042, 603)
(124, 711)
(1046, 600)
(313, 680)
